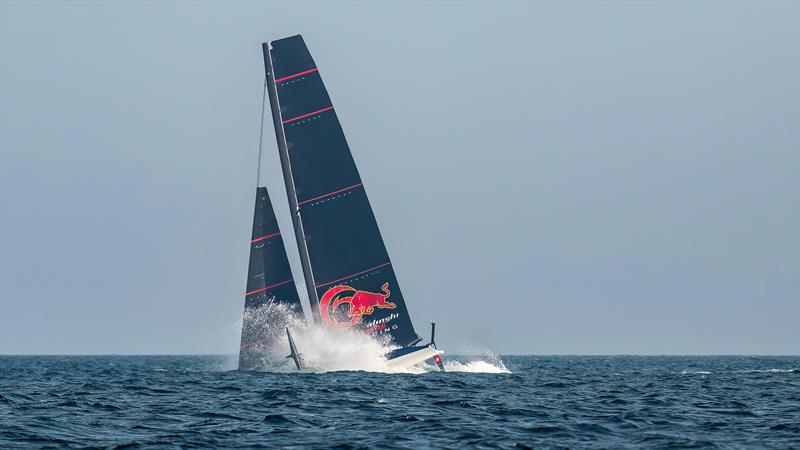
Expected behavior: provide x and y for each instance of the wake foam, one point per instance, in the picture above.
(477, 359)
(478, 366)
(785, 370)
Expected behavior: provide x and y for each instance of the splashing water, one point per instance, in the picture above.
(479, 360)
(323, 349)
(478, 366)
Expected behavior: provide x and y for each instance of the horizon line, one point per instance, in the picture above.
(451, 354)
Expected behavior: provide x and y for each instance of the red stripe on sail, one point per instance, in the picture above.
(330, 193)
(268, 287)
(353, 275)
(306, 115)
(253, 241)
(298, 74)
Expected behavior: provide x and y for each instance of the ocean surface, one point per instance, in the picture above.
(515, 401)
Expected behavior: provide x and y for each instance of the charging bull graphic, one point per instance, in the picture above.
(362, 303)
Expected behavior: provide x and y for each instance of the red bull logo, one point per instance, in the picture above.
(360, 303)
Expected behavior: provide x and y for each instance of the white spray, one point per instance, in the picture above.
(324, 349)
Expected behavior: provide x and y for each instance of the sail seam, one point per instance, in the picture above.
(298, 74)
(331, 193)
(268, 287)
(354, 275)
(253, 241)
(307, 115)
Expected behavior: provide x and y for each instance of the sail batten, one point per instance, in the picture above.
(330, 194)
(303, 116)
(267, 288)
(337, 233)
(343, 279)
(299, 74)
(261, 238)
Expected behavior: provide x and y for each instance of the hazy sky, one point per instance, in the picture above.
(588, 177)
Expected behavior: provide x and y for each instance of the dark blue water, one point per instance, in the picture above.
(547, 402)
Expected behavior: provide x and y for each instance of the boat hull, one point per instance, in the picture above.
(411, 356)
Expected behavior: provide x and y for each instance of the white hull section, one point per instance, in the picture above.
(414, 358)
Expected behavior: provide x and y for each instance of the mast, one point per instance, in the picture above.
(286, 166)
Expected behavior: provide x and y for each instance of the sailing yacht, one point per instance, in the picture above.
(347, 272)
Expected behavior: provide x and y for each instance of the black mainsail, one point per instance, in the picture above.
(271, 294)
(348, 273)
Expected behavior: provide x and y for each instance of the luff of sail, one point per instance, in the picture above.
(271, 295)
(354, 284)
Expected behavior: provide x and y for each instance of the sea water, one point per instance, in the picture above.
(512, 401)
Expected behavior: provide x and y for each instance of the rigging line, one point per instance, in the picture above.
(261, 133)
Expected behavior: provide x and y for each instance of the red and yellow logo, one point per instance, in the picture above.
(362, 303)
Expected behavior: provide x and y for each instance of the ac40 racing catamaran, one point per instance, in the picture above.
(346, 269)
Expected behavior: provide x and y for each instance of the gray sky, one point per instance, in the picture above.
(548, 177)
